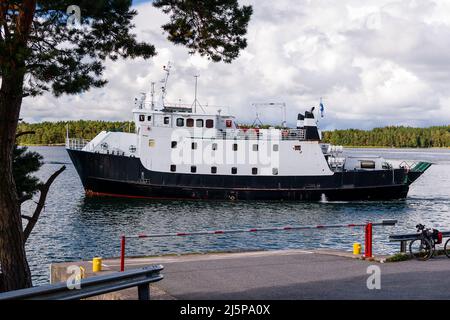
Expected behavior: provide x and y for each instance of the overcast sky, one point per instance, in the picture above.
(380, 63)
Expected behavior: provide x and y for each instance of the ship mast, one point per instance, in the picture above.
(194, 104)
(153, 95)
(164, 81)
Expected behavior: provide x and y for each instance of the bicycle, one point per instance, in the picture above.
(447, 248)
(424, 247)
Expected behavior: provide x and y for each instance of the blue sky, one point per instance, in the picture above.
(140, 1)
(374, 62)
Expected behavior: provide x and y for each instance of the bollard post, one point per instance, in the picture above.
(368, 241)
(122, 254)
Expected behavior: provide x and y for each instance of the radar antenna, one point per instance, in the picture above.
(152, 92)
(165, 81)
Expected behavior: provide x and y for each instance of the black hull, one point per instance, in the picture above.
(112, 175)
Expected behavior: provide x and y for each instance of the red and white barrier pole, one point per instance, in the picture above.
(368, 234)
(368, 241)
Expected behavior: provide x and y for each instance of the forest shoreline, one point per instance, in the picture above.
(55, 133)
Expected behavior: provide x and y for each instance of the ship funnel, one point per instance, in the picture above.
(311, 132)
(300, 121)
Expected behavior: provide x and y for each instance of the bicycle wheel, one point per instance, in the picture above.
(421, 249)
(447, 248)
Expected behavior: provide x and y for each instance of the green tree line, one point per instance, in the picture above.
(398, 137)
(49, 133)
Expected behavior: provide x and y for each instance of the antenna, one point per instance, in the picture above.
(153, 95)
(195, 96)
(164, 81)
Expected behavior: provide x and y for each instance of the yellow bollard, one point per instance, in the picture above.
(97, 264)
(356, 248)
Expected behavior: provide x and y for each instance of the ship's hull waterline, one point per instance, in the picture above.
(122, 176)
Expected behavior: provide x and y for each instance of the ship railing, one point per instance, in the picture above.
(261, 134)
(76, 143)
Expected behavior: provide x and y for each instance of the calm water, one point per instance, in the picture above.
(74, 227)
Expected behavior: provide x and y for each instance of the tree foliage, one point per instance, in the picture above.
(25, 163)
(392, 136)
(48, 133)
(62, 58)
(214, 28)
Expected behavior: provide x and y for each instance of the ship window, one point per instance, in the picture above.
(214, 146)
(233, 170)
(190, 123)
(141, 117)
(255, 147)
(173, 168)
(194, 145)
(254, 170)
(367, 164)
(228, 123)
(275, 171)
(235, 146)
(199, 123)
(174, 144)
(180, 122)
(193, 169)
(149, 118)
(213, 169)
(166, 120)
(210, 123)
(275, 147)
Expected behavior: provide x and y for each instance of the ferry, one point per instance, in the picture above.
(181, 152)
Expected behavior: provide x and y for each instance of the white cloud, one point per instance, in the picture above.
(376, 63)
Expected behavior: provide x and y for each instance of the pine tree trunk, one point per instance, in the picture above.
(13, 262)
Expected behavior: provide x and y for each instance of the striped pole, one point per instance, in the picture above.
(368, 237)
(284, 228)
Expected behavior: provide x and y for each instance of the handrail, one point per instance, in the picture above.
(412, 236)
(261, 134)
(93, 286)
(404, 238)
(76, 143)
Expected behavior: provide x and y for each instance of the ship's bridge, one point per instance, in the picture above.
(182, 117)
(212, 126)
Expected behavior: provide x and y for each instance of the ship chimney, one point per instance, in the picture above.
(300, 121)
(311, 132)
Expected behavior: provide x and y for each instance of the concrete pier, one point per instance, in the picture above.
(282, 274)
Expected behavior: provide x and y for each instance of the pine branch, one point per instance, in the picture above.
(24, 133)
(41, 203)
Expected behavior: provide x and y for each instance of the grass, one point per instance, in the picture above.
(399, 257)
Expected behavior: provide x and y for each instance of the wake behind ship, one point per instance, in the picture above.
(177, 152)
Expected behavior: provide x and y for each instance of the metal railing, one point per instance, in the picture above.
(76, 143)
(404, 238)
(261, 134)
(94, 286)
